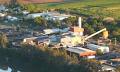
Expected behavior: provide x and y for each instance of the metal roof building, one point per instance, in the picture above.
(83, 52)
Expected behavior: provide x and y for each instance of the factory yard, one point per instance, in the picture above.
(49, 30)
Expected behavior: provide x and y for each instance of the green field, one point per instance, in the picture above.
(88, 7)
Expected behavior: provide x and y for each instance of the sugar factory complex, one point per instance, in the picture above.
(71, 38)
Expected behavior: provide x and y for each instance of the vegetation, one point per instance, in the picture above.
(71, 21)
(88, 7)
(99, 52)
(40, 21)
(30, 59)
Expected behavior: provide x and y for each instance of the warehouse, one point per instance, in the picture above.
(48, 16)
(94, 47)
(82, 52)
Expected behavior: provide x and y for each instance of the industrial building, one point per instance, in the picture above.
(48, 16)
(82, 52)
(104, 49)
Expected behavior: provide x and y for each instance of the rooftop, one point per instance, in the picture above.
(78, 50)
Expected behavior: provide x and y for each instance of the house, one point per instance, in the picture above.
(82, 52)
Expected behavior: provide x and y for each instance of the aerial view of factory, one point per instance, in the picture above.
(72, 39)
(31, 35)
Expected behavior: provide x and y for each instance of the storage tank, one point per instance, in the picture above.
(94, 47)
(105, 34)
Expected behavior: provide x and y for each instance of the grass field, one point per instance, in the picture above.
(104, 7)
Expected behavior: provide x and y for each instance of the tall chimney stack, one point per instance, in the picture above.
(79, 22)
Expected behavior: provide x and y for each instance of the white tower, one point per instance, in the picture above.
(79, 22)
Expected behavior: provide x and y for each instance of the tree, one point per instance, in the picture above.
(31, 7)
(71, 21)
(99, 52)
(57, 23)
(3, 40)
(40, 21)
(116, 32)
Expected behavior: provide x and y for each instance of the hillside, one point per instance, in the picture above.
(87, 7)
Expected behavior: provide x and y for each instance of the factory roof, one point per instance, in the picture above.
(42, 38)
(78, 50)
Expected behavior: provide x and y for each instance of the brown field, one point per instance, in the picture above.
(30, 1)
(39, 1)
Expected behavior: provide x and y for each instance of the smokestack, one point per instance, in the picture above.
(79, 22)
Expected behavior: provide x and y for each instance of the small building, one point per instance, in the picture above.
(82, 52)
(94, 47)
